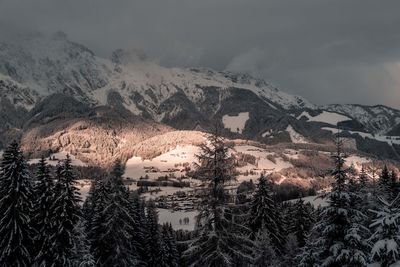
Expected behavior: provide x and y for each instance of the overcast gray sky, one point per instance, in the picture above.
(329, 51)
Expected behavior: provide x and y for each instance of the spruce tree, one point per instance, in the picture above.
(219, 241)
(265, 255)
(309, 254)
(138, 228)
(386, 233)
(113, 224)
(264, 214)
(81, 256)
(44, 214)
(16, 229)
(302, 221)
(340, 230)
(88, 206)
(96, 226)
(67, 214)
(384, 184)
(156, 257)
(169, 246)
(394, 187)
(363, 179)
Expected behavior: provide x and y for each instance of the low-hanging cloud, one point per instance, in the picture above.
(327, 51)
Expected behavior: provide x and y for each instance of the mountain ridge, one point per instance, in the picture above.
(184, 99)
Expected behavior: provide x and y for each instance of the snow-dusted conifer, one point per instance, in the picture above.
(394, 186)
(386, 233)
(155, 252)
(169, 246)
(384, 184)
(16, 229)
(265, 214)
(340, 230)
(302, 221)
(81, 256)
(265, 255)
(44, 214)
(363, 179)
(138, 229)
(96, 225)
(67, 213)
(113, 223)
(220, 240)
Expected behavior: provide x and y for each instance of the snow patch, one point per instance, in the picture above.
(176, 218)
(327, 117)
(237, 123)
(267, 133)
(316, 201)
(295, 136)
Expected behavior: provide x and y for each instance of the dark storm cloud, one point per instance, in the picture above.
(328, 51)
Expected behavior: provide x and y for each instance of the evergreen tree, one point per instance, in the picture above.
(265, 215)
(394, 190)
(67, 214)
(302, 221)
(220, 241)
(81, 256)
(16, 229)
(340, 230)
(363, 179)
(96, 226)
(113, 224)
(169, 246)
(291, 250)
(384, 184)
(88, 207)
(386, 236)
(155, 255)
(265, 254)
(44, 214)
(309, 255)
(139, 229)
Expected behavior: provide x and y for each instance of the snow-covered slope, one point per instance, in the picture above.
(47, 65)
(376, 119)
(38, 67)
(332, 118)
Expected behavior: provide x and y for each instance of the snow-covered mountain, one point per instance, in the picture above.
(35, 68)
(46, 65)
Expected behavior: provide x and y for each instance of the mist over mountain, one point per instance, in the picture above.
(51, 82)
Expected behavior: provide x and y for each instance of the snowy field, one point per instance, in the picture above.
(316, 201)
(237, 123)
(172, 162)
(59, 157)
(176, 218)
(167, 163)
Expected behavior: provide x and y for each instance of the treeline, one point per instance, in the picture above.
(42, 223)
(359, 225)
